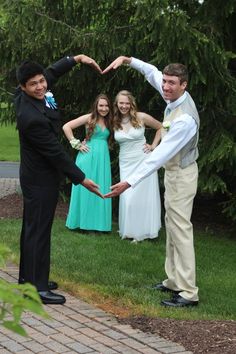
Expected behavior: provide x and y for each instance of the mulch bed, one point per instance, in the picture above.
(211, 337)
(198, 336)
(11, 207)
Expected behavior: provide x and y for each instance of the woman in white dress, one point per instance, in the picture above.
(139, 208)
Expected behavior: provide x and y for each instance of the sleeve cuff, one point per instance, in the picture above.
(71, 60)
(135, 63)
(132, 180)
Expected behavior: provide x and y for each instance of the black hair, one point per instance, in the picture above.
(27, 70)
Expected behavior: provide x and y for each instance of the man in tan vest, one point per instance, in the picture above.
(177, 153)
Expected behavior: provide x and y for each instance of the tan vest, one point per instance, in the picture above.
(189, 153)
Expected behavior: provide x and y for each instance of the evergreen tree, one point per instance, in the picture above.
(199, 34)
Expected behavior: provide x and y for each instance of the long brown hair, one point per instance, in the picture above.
(133, 111)
(108, 119)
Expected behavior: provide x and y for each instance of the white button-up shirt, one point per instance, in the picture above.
(182, 128)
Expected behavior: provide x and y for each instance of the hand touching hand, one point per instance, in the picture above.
(81, 58)
(117, 189)
(116, 63)
(92, 187)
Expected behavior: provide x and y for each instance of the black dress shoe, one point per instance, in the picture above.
(52, 285)
(179, 301)
(163, 288)
(48, 297)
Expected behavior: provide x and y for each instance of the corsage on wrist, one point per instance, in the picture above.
(75, 143)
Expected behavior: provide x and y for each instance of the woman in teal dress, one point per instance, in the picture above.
(87, 211)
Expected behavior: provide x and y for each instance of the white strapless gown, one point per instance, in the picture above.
(139, 207)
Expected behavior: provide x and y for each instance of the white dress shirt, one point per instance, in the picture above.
(182, 128)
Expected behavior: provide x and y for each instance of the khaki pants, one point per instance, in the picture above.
(180, 190)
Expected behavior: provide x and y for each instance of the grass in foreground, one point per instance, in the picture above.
(9, 143)
(116, 274)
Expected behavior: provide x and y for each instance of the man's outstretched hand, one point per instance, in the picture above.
(84, 59)
(116, 63)
(92, 187)
(117, 189)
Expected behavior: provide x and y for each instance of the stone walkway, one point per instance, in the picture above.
(76, 326)
(9, 186)
(9, 178)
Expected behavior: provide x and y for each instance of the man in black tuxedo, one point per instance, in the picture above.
(43, 163)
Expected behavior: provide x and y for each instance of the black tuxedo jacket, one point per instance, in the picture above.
(43, 158)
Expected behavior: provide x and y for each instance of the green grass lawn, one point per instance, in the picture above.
(9, 150)
(117, 274)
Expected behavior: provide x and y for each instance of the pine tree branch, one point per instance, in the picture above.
(78, 33)
(9, 93)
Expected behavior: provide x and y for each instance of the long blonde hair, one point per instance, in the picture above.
(135, 122)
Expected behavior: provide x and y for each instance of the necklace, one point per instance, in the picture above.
(125, 120)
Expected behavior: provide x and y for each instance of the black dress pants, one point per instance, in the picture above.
(39, 209)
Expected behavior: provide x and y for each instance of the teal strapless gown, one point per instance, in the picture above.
(87, 211)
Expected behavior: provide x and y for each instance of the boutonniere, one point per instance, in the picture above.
(50, 100)
(166, 125)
